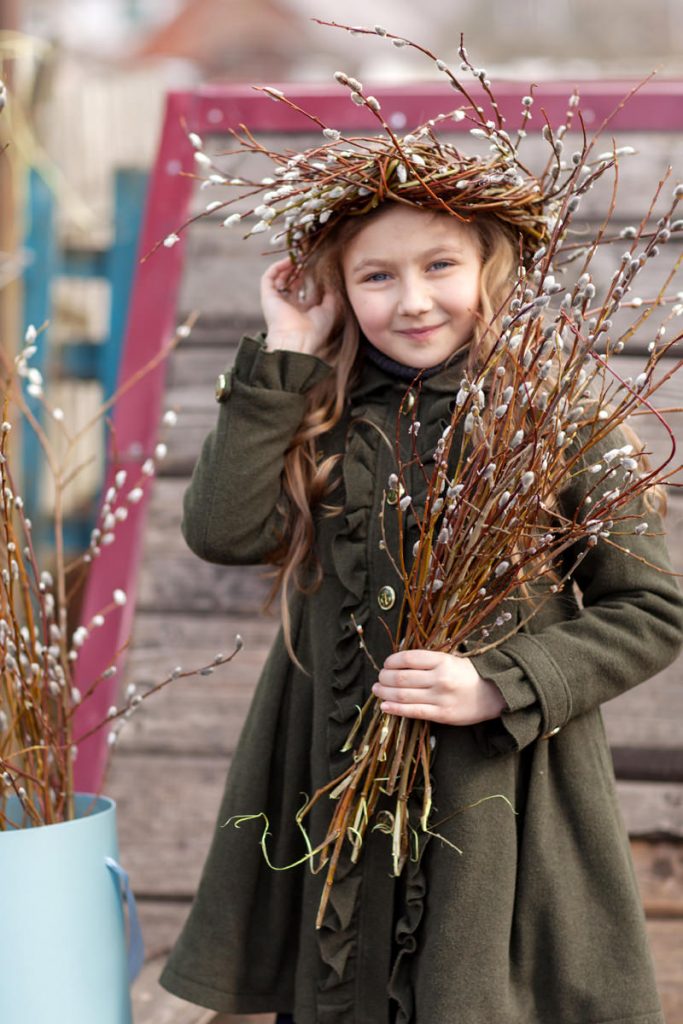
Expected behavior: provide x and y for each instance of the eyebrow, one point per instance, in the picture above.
(374, 261)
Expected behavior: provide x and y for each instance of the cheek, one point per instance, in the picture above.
(468, 300)
(369, 311)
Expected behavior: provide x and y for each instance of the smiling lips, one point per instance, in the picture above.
(420, 332)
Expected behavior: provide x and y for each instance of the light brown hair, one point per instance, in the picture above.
(308, 481)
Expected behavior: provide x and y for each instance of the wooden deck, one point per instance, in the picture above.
(168, 772)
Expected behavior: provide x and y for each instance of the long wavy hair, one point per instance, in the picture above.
(307, 480)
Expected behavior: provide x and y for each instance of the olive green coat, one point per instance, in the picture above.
(538, 920)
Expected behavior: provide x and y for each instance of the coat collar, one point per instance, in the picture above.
(376, 378)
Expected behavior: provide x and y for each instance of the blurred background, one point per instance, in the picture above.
(88, 79)
(86, 83)
(90, 75)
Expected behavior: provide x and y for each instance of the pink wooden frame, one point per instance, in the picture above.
(211, 110)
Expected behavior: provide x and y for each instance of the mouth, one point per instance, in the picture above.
(421, 332)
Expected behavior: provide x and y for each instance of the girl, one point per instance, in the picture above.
(539, 920)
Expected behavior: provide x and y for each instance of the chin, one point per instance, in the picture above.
(425, 360)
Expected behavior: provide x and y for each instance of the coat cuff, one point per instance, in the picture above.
(534, 689)
(280, 370)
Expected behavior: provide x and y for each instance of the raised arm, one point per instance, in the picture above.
(230, 509)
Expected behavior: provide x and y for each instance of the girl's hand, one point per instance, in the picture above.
(296, 318)
(436, 686)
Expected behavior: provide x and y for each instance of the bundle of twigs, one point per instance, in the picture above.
(492, 526)
(38, 698)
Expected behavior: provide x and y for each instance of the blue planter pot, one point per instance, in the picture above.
(64, 952)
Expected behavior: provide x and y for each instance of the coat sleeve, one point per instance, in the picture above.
(629, 628)
(230, 509)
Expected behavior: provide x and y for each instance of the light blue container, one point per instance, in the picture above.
(64, 958)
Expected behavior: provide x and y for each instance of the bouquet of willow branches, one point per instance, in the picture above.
(524, 424)
(38, 698)
(492, 526)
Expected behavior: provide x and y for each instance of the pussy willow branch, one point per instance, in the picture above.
(36, 696)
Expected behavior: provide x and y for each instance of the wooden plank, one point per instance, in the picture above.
(222, 328)
(645, 735)
(167, 560)
(652, 810)
(649, 715)
(193, 367)
(660, 873)
(646, 718)
(219, 276)
(659, 868)
(161, 922)
(649, 764)
(211, 708)
(181, 581)
(172, 578)
(154, 1005)
(648, 428)
(193, 370)
(168, 807)
(195, 632)
(666, 943)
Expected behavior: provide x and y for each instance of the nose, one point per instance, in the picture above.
(414, 297)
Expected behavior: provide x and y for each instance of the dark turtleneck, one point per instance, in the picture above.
(398, 370)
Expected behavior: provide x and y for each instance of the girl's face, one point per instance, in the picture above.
(412, 278)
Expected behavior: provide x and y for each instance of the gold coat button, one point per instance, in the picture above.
(386, 598)
(553, 732)
(221, 387)
(408, 403)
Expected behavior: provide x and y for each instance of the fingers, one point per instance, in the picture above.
(400, 678)
(407, 692)
(415, 659)
(278, 277)
(404, 695)
(282, 281)
(423, 711)
(277, 269)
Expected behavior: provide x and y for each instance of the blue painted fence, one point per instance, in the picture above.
(82, 359)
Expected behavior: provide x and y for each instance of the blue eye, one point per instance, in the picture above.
(379, 275)
(441, 263)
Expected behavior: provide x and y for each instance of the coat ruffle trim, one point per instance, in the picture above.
(400, 986)
(338, 936)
